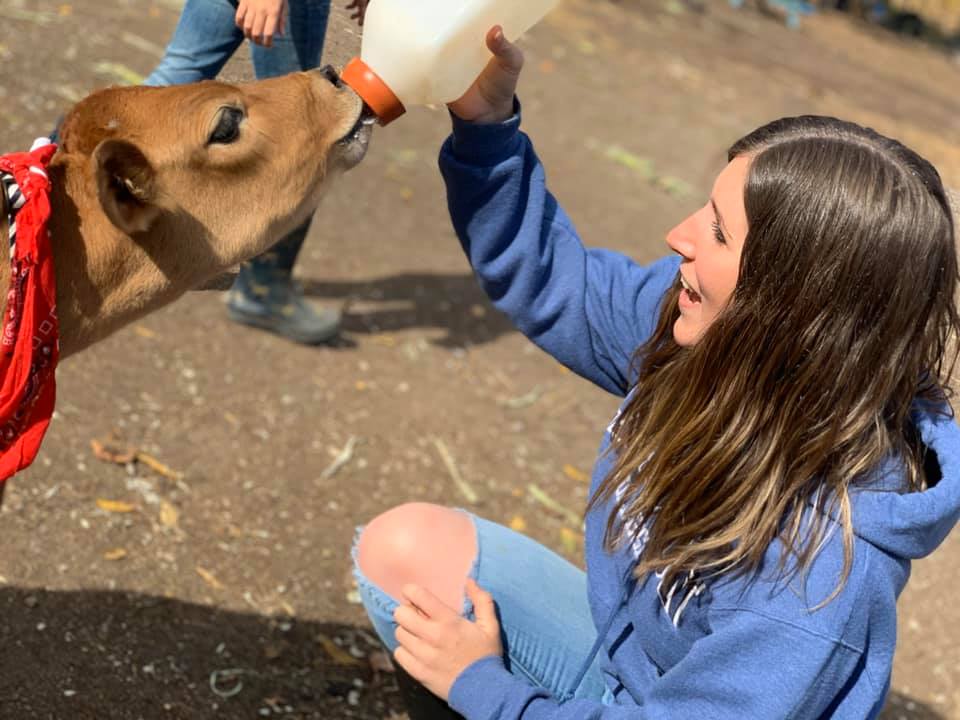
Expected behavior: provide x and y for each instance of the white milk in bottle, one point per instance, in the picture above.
(423, 52)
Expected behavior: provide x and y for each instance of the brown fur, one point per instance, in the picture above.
(146, 208)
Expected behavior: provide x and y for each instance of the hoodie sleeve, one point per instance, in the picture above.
(588, 308)
(754, 667)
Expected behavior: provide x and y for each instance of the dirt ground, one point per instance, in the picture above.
(219, 585)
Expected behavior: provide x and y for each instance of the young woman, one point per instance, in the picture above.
(783, 451)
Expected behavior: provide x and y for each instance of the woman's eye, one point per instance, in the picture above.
(228, 126)
(718, 234)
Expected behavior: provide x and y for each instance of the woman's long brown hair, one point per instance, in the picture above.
(840, 320)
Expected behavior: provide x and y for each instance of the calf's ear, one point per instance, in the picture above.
(126, 185)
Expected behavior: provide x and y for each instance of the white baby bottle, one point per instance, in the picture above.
(423, 52)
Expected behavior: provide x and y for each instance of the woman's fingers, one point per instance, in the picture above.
(416, 646)
(409, 662)
(483, 606)
(508, 55)
(428, 603)
(410, 619)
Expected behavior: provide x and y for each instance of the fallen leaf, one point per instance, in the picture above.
(109, 451)
(518, 524)
(115, 554)
(209, 579)
(575, 474)
(144, 332)
(336, 653)
(158, 467)
(115, 506)
(169, 516)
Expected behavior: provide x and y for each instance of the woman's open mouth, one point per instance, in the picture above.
(688, 296)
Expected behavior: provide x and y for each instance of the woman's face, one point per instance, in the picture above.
(710, 242)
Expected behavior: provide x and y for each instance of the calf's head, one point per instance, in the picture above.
(157, 190)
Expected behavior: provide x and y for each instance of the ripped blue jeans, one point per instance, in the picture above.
(546, 625)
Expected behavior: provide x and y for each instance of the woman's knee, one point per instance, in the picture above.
(421, 544)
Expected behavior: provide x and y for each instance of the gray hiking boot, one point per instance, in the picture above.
(268, 298)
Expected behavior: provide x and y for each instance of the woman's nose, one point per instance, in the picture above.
(681, 240)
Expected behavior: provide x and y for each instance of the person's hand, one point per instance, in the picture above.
(260, 20)
(490, 98)
(436, 643)
(359, 8)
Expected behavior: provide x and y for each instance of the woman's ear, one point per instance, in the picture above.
(126, 185)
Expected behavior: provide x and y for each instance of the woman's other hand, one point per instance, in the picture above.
(436, 644)
(490, 98)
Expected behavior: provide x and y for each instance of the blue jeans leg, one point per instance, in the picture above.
(206, 37)
(204, 40)
(541, 598)
(298, 48)
(301, 44)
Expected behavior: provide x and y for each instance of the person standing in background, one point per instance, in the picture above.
(287, 36)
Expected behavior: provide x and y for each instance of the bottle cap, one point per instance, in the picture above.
(374, 91)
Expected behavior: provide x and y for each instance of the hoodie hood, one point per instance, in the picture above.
(912, 525)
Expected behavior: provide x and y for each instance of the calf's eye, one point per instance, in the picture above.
(228, 126)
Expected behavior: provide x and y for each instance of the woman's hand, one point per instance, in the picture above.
(490, 98)
(261, 19)
(359, 8)
(437, 644)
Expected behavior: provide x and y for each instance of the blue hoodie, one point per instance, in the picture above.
(747, 649)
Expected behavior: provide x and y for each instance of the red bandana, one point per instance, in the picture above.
(29, 347)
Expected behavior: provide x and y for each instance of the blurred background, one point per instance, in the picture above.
(200, 569)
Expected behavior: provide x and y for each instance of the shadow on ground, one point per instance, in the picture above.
(452, 303)
(133, 656)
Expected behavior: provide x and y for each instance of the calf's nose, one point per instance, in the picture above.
(330, 74)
